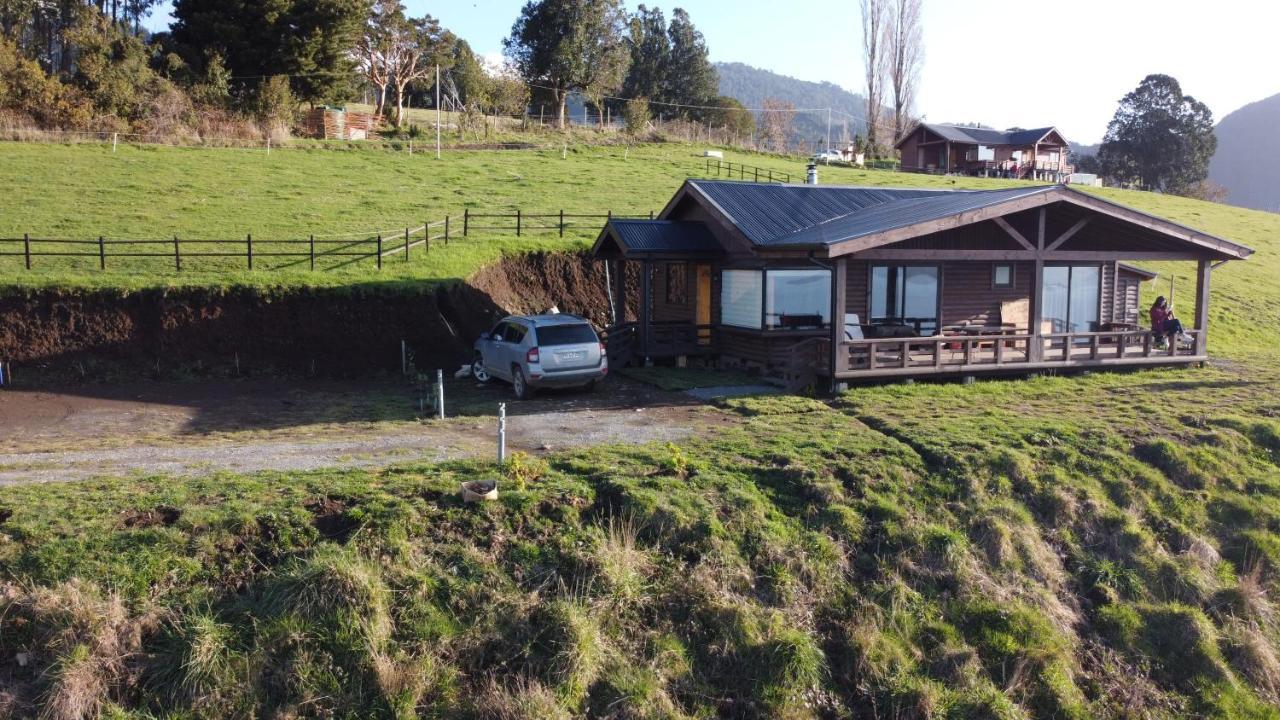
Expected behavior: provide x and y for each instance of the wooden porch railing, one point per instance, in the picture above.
(942, 354)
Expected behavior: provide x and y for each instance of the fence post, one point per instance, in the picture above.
(650, 214)
(102, 253)
(177, 256)
(562, 222)
(248, 252)
(26, 248)
(426, 235)
(517, 222)
(379, 252)
(446, 229)
(406, 244)
(757, 174)
(313, 252)
(466, 221)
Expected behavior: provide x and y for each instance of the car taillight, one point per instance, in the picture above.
(532, 355)
(603, 350)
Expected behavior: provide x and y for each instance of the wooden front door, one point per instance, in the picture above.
(703, 311)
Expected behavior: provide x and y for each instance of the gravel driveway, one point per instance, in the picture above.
(248, 426)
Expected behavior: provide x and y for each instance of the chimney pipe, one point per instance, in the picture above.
(812, 177)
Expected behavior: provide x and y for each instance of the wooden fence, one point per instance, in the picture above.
(732, 170)
(311, 252)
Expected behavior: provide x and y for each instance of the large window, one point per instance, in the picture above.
(741, 295)
(797, 298)
(1071, 298)
(906, 295)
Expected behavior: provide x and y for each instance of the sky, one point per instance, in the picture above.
(1003, 63)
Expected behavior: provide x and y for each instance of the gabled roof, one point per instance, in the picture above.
(764, 212)
(901, 213)
(982, 136)
(773, 216)
(641, 237)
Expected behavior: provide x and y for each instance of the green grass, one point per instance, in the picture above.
(157, 192)
(1000, 549)
(1090, 546)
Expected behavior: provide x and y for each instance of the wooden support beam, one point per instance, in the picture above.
(839, 289)
(1035, 346)
(646, 289)
(1013, 233)
(1040, 229)
(1068, 234)
(1203, 273)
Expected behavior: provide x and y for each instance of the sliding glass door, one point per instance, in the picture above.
(1071, 298)
(905, 294)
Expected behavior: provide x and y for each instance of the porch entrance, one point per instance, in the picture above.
(702, 312)
(1071, 299)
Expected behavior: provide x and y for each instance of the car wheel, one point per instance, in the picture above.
(519, 385)
(478, 370)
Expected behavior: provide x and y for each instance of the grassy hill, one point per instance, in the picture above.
(1063, 547)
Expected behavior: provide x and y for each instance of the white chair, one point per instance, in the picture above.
(852, 327)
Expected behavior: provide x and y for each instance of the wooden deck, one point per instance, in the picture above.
(914, 357)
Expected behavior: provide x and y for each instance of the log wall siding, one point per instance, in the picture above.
(667, 312)
(969, 296)
(856, 285)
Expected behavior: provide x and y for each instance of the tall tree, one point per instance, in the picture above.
(904, 57)
(650, 55)
(690, 77)
(309, 40)
(1159, 138)
(568, 45)
(873, 57)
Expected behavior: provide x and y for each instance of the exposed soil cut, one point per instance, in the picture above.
(331, 519)
(336, 332)
(162, 516)
(5, 514)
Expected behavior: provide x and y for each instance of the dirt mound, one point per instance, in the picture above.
(344, 331)
(162, 516)
(330, 517)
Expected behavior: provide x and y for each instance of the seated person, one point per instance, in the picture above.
(1165, 325)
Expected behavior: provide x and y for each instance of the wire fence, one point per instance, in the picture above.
(314, 252)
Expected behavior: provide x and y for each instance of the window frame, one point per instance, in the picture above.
(764, 296)
(995, 275)
(892, 265)
(760, 325)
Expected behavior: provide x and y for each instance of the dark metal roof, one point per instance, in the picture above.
(985, 136)
(663, 236)
(901, 213)
(765, 212)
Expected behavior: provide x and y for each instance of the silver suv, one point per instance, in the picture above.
(541, 351)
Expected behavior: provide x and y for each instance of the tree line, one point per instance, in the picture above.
(80, 63)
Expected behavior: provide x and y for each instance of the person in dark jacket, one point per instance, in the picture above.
(1165, 325)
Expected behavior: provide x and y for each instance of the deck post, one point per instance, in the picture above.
(645, 290)
(1035, 349)
(839, 288)
(1203, 272)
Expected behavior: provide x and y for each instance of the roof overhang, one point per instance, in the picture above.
(1194, 242)
(655, 240)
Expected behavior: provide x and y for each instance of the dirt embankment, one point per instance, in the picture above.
(346, 331)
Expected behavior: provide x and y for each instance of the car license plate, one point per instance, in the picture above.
(568, 356)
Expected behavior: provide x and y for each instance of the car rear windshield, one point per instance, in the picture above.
(566, 335)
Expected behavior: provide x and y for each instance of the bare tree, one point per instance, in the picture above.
(873, 55)
(905, 56)
(375, 46)
(776, 118)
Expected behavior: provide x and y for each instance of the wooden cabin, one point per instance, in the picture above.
(836, 284)
(1038, 154)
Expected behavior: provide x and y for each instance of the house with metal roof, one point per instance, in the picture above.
(1036, 154)
(833, 284)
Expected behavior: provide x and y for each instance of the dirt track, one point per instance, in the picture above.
(255, 425)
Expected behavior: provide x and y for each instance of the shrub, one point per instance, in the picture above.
(636, 115)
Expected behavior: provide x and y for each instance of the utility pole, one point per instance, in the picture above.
(828, 128)
(437, 111)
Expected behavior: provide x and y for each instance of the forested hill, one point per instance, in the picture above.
(1247, 162)
(752, 85)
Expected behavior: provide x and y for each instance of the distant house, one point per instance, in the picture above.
(824, 284)
(1038, 154)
